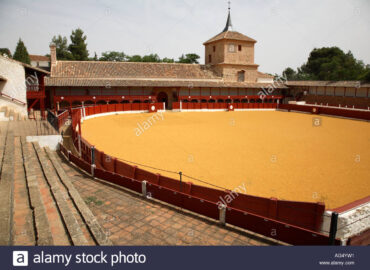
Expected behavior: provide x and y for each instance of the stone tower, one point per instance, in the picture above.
(231, 55)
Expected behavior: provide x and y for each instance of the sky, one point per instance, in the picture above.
(286, 30)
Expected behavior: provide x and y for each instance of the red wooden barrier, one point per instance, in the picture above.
(258, 214)
(357, 114)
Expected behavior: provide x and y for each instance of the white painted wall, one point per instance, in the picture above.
(351, 222)
(51, 141)
(14, 86)
(40, 63)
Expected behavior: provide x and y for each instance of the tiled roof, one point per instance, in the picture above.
(34, 57)
(263, 75)
(328, 83)
(232, 35)
(142, 82)
(121, 70)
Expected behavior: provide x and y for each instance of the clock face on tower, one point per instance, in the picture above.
(231, 48)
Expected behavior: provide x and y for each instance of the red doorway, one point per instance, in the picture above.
(163, 97)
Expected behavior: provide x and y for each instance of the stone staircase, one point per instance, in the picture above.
(38, 203)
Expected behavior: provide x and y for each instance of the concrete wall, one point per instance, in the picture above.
(14, 86)
(351, 222)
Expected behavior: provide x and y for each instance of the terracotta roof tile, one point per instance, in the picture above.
(34, 57)
(133, 82)
(328, 83)
(232, 35)
(264, 75)
(99, 69)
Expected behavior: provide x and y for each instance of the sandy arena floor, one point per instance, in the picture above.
(270, 154)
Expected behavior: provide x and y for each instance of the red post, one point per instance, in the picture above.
(320, 208)
(158, 178)
(273, 208)
(134, 172)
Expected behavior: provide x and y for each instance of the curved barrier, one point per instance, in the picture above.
(221, 106)
(297, 223)
(342, 112)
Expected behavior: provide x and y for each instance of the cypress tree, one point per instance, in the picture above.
(21, 53)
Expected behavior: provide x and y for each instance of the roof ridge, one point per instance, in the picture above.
(120, 62)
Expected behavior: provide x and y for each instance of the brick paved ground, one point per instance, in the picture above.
(133, 220)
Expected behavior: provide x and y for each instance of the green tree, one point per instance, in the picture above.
(21, 53)
(151, 58)
(62, 48)
(134, 58)
(290, 74)
(190, 58)
(332, 64)
(168, 60)
(78, 46)
(113, 56)
(5, 51)
(95, 57)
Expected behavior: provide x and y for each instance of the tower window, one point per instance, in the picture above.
(214, 48)
(239, 48)
(241, 76)
(209, 58)
(231, 48)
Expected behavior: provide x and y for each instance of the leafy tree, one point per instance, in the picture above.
(113, 56)
(289, 74)
(78, 46)
(134, 58)
(151, 58)
(190, 58)
(168, 60)
(330, 64)
(5, 51)
(62, 48)
(21, 53)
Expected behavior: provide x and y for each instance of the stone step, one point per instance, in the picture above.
(6, 190)
(99, 235)
(23, 221)
(39, 199)
(73, 227)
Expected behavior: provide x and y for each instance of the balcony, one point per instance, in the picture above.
(34, 91)
(33, 87)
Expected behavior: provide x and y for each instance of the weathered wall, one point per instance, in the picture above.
(14, 86)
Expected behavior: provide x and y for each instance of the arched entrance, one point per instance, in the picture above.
(163, 97)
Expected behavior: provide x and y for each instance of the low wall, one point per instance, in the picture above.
(341, 112)
(184, 196)
(294, 222)
(353, 219)
(221, 106)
